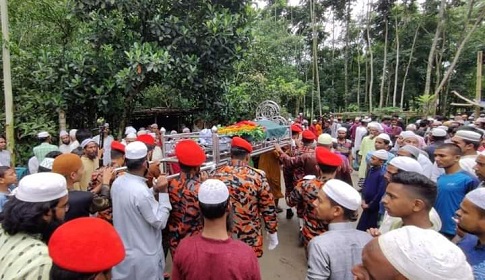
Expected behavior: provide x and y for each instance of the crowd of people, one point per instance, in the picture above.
(98, 208)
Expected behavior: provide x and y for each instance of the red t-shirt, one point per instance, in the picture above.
(202, 258)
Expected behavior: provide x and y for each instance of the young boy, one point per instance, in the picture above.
(333, 254)
(373, 190)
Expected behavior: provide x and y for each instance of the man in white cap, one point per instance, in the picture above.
(382, 142)
(452, 186)
(107, 139)
(90, 161)
(139, 217)
(130, 137)
(367, 145)
(471, 219)
(44, 147)
(372, 190)
(438, 137)
(412, 253)
(333, 254)
(468, 139)
(360, 133)
(65, 146)
(74, 141)
(409, 150)
(29, 218)
(234, 258)
(343, 145)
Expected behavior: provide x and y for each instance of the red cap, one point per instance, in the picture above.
(147, 139)
(326, 157)
(308, 135)
(86, 245)
(118, 146)
(241, 143)
(189, 153)
(296, 128)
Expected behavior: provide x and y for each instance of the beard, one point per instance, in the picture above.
(66, 142)
(50, 227)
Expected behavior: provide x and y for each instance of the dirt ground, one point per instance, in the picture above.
(288, 260)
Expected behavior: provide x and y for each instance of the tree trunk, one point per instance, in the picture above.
(396, 70)
(462, 44)
(358, 79)
(429, 68)
(384, 65)
(346, 56)
(407, 66)
(371, 62)
(62, 121)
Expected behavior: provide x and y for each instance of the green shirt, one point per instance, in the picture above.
(22, 256)
(367, 145)
(43, 149)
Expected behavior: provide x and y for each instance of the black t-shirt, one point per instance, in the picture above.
(79, 203)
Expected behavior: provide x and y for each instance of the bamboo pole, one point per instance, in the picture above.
(7, 81)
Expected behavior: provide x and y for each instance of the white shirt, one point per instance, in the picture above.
(360, 132)
(74, 145)
(390, 223)
(139, 219)
(426, 164)
(65, 149)
(106, 147)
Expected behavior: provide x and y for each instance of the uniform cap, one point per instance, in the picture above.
(117, 146)
(424, 254)
(213, 191)
(41, 187)
(189, 153)
(147, 139)
(296, 128)
(308, 135)
(65, 164)
(326, 157)
(136, 150)
(86, 245)
(343, 194)
(324, 139)
(241, 143)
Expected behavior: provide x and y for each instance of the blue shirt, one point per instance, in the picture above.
(475, 254)
(3, 200)
(452, 188)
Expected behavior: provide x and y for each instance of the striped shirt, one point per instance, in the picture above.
(23, 257)
(43, 149)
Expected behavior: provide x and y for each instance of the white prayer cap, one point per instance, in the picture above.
(437, 123)
(152, 134)
(468, 135)
(411, 127)
(154, 125)
(141, 132)
(186, 130)
(213, 191)
(408, 134)
(375, 125)
(343, 194)
(63, 133)
(129, 130)
(131, 136)
(173, 132)
(406, 164)
(366, 120)
(43, 134)
(47, 163)
(72, 133)
(477, 197)
(314, 121)
(384, 137)
(381, 154)
(343, 129)
(136, 150)
(324, 139)
(424, 254)
(444, 127)
(413, 150)
(438, 132)
(86, 142)
(41, 187)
